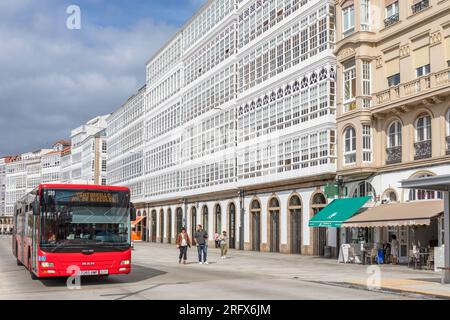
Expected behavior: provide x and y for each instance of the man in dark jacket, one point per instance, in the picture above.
(201, 239)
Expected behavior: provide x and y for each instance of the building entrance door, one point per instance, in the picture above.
(169, 226)
(193, 221)
(179, 221)
(296, 224)
(255, 214)
(232, 225)
(153, 227)
(256, 231)
(274, 231)
(319, 234)
(161, 226)
(274, 216)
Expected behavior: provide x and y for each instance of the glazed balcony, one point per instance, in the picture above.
(417, 88)
(422, 150)
(393, 155)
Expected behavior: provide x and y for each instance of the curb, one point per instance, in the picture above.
(385, 290)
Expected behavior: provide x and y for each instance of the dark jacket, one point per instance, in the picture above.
(200, 237)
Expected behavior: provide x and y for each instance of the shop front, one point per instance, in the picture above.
(415, 227)
(335, 214)
(441, 184)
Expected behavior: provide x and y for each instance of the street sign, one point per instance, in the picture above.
(331, 191)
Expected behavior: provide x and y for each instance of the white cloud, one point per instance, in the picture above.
(53, 79)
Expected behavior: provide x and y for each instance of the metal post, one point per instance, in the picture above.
(241, 226)
(185, 214)
(446, 273)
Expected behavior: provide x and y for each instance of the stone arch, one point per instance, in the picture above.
(318, 235)
(274, 223)
(255, 226)
(295, 223)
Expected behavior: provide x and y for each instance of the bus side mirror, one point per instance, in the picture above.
(132, 213)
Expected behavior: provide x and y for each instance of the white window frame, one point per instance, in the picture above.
(365, 15)
(426, 69)
(394, 140)
(367, 143)
(349, 75)
(395, 9)
(426, 127)
(348, 20)
(349, 141)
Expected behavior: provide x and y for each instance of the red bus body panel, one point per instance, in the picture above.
(66, 264)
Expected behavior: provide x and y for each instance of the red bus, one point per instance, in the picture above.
(62, 228)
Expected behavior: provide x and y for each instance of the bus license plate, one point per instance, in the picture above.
(89, 273)
(104, 272)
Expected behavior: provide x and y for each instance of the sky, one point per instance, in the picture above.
(53, 79)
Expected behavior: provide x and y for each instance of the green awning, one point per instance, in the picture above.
(337, 212)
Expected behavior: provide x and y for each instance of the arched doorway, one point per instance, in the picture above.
(255, 217)
(319, 234)
(144, 229)
(153, 227)
(274, 223)
(205, 218)
(169, 225)
(161, 226)
(218, 219)
(296, 224)
(232, 225)
(179, 221)
(193, 221)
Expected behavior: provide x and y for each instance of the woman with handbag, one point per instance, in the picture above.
(183, 242)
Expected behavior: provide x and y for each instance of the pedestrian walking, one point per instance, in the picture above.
(201, 238)
(183, 242)
(216, 240)
(223, 245)
(394, 249)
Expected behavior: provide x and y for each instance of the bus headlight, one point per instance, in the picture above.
(47, 264)
(125, 263)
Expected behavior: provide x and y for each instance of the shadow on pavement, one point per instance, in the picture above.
(138, 273)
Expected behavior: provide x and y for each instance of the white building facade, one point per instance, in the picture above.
(238, 128)
(86, 163)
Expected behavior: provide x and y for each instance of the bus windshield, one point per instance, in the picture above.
(77, 218)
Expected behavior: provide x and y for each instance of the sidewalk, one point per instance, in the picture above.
(393, 278)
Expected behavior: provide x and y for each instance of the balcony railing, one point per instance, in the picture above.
(393, 155)
(422, 150)
(389, 21)
(420, 85)
(420, 6)
(448, 145)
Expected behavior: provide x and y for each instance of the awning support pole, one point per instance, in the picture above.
(446, 273)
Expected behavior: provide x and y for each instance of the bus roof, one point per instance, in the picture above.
(82, 186)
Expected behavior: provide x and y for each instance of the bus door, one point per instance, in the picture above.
(34, 242)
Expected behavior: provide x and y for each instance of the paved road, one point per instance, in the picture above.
(156, 275)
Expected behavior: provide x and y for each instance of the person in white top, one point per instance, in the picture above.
(183, 242)
(394, 249)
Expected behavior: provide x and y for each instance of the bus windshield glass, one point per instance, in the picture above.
(74, 218)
